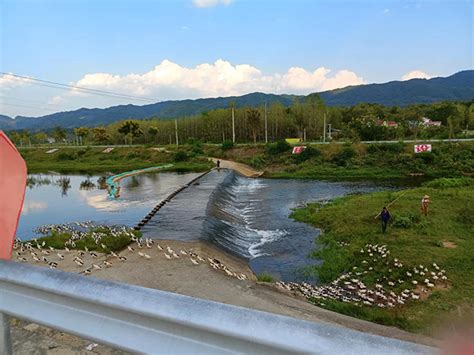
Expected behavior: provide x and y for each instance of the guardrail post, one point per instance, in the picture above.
(5, 336)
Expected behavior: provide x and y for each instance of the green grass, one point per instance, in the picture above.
(265, 277)
(356, 161)
(412, 238)
(92, 160)
(112, 243)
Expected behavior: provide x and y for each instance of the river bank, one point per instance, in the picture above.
(203, 280)
(99, 160)
(375, 162)
(417, 245)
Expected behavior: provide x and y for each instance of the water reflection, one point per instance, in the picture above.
(65, 184)
(87, 184)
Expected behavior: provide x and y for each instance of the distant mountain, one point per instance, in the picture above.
(457, 87)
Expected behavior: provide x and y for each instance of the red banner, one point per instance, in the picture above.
(298, 149)
(421, 148)
(12, 193)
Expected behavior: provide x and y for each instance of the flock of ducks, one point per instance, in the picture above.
(399, 284)
(36, 251)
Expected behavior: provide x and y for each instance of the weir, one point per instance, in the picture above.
(152, 213)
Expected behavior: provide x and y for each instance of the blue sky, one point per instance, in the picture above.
(183, 49)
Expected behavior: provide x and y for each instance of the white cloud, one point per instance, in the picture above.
(9, 82)
(169, 80)
(386, 11)
(416, 74)
(211, 3)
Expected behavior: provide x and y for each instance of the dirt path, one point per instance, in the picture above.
(207, 278)
(242, 169)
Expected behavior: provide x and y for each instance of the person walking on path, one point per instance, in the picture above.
(218, 164)
(425, 202)
(385, 217)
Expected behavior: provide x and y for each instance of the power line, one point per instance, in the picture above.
(57, 85)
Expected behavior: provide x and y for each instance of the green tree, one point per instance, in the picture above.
(153, 132)
(131, 130)
(100, 135)
(253, 122)
(59, 134)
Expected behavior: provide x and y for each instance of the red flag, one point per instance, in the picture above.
(12, 193)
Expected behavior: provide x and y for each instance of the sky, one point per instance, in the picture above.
(162, 50)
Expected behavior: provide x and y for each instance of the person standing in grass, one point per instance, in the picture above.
(384, 217)
(425, 202)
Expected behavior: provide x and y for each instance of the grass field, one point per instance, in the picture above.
(444, 237)
(93, 160)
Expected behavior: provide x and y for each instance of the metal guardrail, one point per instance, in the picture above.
(145, 320)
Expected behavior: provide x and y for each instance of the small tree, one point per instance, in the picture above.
(82, 132)
(153, 132)
(130, 129)
(253, 122)
(100, 135)
(59, 134)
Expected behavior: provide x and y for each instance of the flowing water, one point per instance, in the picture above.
(247, 217)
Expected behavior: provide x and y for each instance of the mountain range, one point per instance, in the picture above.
(457, 87)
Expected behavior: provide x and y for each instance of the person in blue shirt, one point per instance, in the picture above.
(385, 217)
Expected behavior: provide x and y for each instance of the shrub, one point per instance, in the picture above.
(279, 147)
(63, 156)
(406, 221)
(307, 153)
(344, 157)
(180, 155)
(390, 148)
(265, 277)
(227, 144)
(449, 182)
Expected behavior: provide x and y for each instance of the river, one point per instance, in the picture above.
(247, 217)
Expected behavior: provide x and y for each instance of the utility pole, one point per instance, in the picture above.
(324, 130)
(266, 123)
(329, 131)
(176, 131)
(233, 125)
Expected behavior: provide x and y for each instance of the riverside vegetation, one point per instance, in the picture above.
(442, 240)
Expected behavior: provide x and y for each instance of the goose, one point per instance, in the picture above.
(122, 258)
(147, 256)
(67, 249)
(103, 246)
(60, 256)
(107, 264)
(98, 267)
(167, 256)
(130, 249)
(159, 247)
(141, 254)
(194, 261)
(86, 272)
(183, 252)
(94, 255)
(113, 254)
(414, 282)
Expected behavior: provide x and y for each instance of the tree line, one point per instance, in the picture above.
(308, 120)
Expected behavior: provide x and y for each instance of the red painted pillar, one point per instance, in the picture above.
(12, 192)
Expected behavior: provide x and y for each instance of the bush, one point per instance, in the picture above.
(279, 147)
(227, 144)
(395, 148)
(265, 277)
(344, 157)
(406, 221)
(307, 153)
(63, 156)
(180, 155)
(449, 182)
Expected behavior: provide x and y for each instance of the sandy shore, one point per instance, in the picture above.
(237, 285)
